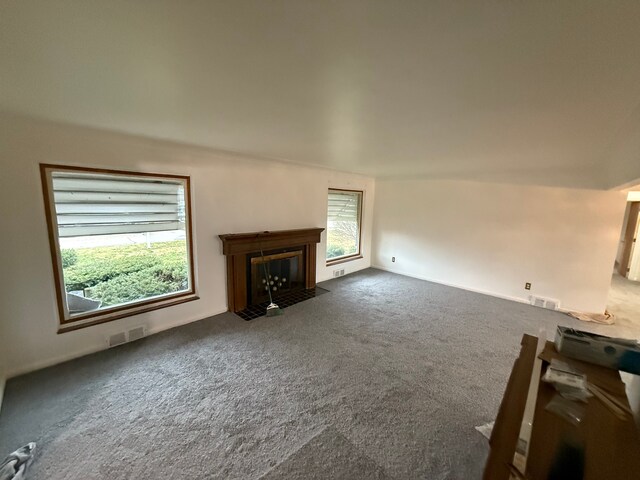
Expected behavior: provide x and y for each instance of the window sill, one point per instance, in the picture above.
(98, 318)
(340, 260)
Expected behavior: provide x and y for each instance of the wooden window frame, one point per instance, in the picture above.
(358, 254)
(109, 314)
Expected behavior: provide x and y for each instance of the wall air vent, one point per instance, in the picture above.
(551, 304)
(137, 333)
(119, 338)
(116, 339)
(548, 303)
(537, 301)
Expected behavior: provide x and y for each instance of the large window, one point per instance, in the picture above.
(344, 219)
(120, 242)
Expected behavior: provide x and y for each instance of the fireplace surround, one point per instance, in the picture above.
(288, 254)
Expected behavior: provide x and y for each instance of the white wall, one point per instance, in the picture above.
(493, 238)
(230, 195)
(621, 160)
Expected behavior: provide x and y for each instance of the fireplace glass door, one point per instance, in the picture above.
(280, 272)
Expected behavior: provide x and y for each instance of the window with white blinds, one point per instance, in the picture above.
(344, 218)
(91, 204)
(121, 241)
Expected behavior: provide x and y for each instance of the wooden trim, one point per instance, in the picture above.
(231, 299)
(128, 309)
(190, 252)
(239, 283)
(128, 306)
(78, 326)
(310, 266)
(110, 171)
(506, 430)
(346, 190)
(629, 234)
(53, 244)
(358, 254)
(339, 260)
(238, 243)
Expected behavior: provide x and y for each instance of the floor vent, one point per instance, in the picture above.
(537, 301)
(117, 339)
(137, 333)
(338, 273)
(552, 304)
(548, 303)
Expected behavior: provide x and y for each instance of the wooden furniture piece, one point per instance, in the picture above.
(238, 246)
(611, 445)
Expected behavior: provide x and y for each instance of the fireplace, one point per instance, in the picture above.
(289, 255)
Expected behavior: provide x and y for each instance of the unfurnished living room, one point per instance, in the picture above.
(295, 239)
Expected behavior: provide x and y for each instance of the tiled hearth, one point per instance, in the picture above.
(283, 301)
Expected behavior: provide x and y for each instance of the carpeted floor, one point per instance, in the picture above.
(384, 377)
(624, 303)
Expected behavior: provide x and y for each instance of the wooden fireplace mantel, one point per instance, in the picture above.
(238, 246)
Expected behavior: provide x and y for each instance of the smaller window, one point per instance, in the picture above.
(344, 220)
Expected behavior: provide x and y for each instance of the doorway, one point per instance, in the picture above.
(624, 294)
(628, 261)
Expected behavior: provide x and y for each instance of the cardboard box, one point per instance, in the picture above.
(616, 353)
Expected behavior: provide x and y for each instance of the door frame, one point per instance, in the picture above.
(629, 238)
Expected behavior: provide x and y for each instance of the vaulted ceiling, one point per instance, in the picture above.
(526, 91)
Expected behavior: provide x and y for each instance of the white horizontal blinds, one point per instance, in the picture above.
(344, 206)
(102, 204)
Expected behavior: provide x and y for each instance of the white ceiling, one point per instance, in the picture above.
(522, 91)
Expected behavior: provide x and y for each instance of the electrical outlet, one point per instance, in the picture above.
(393, 259)
(527, 286)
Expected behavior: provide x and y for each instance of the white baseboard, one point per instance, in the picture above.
(468, 289)
(326, 276)
(32, 367)
(180, 322)
(3, 382)
(40, 364)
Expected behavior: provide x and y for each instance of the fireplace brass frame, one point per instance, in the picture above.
(276, 256)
